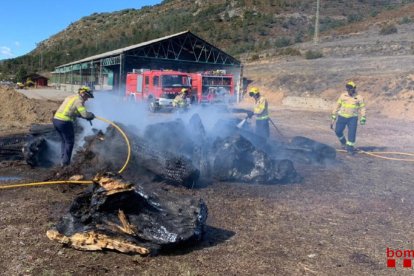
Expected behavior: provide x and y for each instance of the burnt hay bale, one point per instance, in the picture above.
(173, 168)
(127, 217)
(315, 151)
(236, 159)
(197, 130)
(169, 136)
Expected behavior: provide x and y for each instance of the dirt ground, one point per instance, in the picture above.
(18, 111)
(339, 221)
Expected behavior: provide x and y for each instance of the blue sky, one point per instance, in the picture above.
(23, 23)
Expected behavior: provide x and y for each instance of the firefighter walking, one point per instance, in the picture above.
(346, 113)
(261, 112)
(71, 108)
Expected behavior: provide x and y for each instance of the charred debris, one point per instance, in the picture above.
(128, 217)
(185, 154)
(137, 212)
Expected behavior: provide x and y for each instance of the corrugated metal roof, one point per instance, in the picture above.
(122, 50)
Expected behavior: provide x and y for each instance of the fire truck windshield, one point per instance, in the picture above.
(174, 81)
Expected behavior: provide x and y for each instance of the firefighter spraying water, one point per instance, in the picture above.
(71, 108)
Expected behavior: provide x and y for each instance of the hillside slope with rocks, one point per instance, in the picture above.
(380, 65)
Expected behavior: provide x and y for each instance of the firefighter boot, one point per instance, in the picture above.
(343, 142)
(350, 150)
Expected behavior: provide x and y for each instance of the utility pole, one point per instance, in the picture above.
(316, 36)
(41, 61)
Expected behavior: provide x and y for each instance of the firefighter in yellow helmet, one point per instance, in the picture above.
(71, 108)
(347, 109)
(261, 112)
(180, 101)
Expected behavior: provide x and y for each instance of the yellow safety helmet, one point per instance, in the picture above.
(86, 90)
(184, 90)
(253, 91)
(350, 85)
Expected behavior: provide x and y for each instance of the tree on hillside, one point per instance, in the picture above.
(21, 73)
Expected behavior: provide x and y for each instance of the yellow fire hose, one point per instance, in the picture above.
(126, 141)
(78, 181)
(378, 154)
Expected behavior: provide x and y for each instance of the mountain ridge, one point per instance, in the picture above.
(237, 27)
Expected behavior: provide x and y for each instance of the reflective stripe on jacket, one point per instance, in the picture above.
(261, 109)
(72, 107)
(179, 101)
(348, 106)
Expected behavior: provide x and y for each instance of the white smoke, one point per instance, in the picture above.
(114, 107)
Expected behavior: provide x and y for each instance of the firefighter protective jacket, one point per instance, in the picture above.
(261, 109)
(71, 108)
(180, 101)
(349, 106)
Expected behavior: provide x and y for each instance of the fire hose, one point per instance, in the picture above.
(87, 182)
(240, 125)
(379, 154)
(277, 129)
(125, 138)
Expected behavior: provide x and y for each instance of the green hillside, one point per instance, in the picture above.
(236, 26)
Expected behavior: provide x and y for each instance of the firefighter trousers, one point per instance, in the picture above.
(352, 124)
(262, 128)
(67, 136)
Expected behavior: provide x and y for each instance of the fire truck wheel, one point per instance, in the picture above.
(152, 106)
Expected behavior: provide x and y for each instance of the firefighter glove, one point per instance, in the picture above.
(250, 114)
(333, 118)
(363, 120)
(90, 116)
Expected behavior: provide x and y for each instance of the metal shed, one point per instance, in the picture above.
(182, 51)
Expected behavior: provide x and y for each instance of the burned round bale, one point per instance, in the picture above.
(170, 167)
(202, 144)
(43, 129)
(315, 151)
(196, 129)
(169, 136)
(225, 127)
(236, 159)
(118, 215)
(35, 152)
(11, 147)
(228, 127)
(107, 152)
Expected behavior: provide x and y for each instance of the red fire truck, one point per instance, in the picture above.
(213, 87)
(156, 87)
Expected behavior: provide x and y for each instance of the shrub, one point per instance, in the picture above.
(374, 13)
(330, 23)
(299, 37)
(388, 29)
(313, 54)
(406, 20)
(254, 57)
(282, 42)
(289, 52)
(354, 18)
